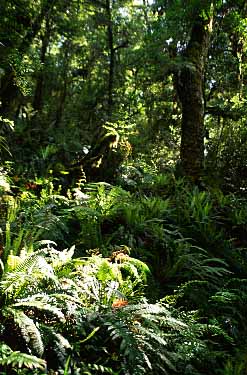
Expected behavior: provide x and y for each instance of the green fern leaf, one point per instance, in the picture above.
(19, 360)
(43, 306)
(58, 344)
(28, 330)
(31, 261)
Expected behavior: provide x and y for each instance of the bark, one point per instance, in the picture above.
(189, 82)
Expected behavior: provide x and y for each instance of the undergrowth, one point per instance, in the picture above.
(154, 282)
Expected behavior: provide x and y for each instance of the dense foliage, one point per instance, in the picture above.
(123, 229)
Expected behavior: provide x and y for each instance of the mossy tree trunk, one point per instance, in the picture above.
(189, 82)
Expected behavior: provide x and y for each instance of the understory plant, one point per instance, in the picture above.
(96, 308)
(86, 315)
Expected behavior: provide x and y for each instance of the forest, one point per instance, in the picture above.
(123, 179)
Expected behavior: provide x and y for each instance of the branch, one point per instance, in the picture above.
(98, 3)
(224, 112)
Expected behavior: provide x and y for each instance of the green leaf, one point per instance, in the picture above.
(18, 359)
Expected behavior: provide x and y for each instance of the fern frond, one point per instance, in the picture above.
(28, 275)
(42, 306)
(119, 330)
(65, 299)
(28, 329)
(61, 258)
(58, 345)
(12, 262)
(143, 341)
(12, 283)
(18, 360)
(31, 261)
(49, 224)
(99, 369)
(104, 272)
(155, 313)
(142, 269)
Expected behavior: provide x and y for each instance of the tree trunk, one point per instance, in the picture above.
(190, 92)
(10, 93)
(64, 85)
(38, 95)
(112, 59)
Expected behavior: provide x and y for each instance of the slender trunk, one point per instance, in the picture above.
(240, 57)
(190, 92)
(112, 59)
(61, 105)
(63, 91)
(9, 94)
(38, 95)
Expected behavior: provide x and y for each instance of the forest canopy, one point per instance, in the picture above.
(102, 75)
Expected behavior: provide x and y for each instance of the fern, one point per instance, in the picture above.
(193, 262)
(13, 284)
(27, 275)
(50, 225)
(142, 341)
(229, 303)
(43, 306)
(59, 346)
(31, 261)
(28, 329)
(17, 359)
(105, 271)
(61, 258)
(137, 268)
(102, 280)
(100, 369)
(129, 343)
(153, 314)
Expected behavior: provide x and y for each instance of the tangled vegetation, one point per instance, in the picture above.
(150, 286)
